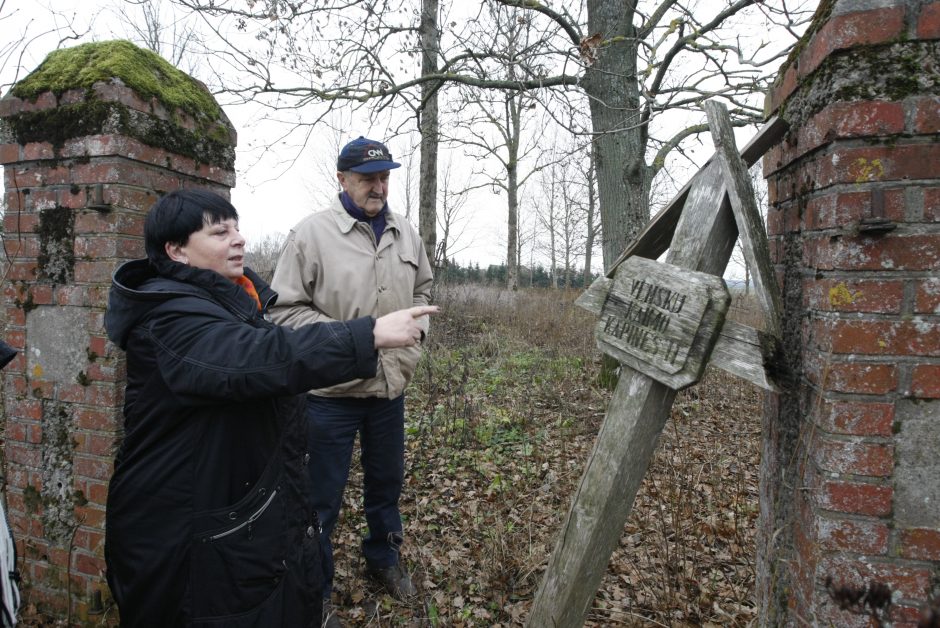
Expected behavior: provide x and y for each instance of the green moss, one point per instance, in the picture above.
(79, 498)
(24, 301)
(31, 499)
(63, 123)
(145, 72)
(82, 379)
(149, 76)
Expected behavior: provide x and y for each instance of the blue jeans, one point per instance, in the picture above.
(332, 426)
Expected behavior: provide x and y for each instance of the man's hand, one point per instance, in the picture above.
(401, 328)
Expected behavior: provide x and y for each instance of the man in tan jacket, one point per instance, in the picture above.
(357, 258)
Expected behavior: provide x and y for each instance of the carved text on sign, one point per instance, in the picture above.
(652, 315)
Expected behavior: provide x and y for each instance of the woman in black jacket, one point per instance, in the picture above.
(208, 521)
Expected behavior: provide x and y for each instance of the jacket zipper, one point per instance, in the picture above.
(247, 522)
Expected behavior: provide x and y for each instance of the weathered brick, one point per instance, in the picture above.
(850, 30)
(927, 299)
(861, 378)
(920, 544)
(856, 165)
(98, 271)
(889, 252)
(9, 153)
(926, 381)
(876, 296)
(857, 418)
(834, 211)
(864, 536)
(72, 295)
(925, 117)
(95, 247)
(89, 565)
(93, 467)
(94, 418)
(94, 444)
(873, 500)
(932, 204)
(910, 581)
(41, 294)
(919, 337)
(928, 24)
(841, 120)
(90, 539)
(35, 151)
(907, 616)
(854, 457)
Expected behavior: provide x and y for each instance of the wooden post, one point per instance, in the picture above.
(705, 234)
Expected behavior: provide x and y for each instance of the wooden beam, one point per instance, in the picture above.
(657, 235)
(750, 354)
(635, 419)
(746, 215)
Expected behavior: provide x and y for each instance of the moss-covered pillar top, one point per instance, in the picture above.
(107, 98)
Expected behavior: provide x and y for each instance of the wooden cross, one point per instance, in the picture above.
(664, 322)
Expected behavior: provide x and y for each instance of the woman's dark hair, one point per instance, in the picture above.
(178, 215)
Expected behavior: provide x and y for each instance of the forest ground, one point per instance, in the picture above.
(501, 419)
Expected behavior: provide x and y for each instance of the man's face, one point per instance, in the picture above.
(368, 191)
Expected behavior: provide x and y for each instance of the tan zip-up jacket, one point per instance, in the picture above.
(330, 269)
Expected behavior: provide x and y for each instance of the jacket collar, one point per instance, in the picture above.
(346, 223)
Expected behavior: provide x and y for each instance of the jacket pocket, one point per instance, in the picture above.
(407, 258)
(239, 555)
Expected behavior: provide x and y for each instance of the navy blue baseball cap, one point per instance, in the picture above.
(365, 156)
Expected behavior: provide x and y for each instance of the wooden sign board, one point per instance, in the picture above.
(662, 319)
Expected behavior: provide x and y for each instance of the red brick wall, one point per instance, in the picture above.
(850, 453)
(61, 422)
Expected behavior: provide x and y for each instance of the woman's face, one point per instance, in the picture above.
(218, 246)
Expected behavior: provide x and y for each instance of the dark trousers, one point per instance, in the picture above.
(380, 423)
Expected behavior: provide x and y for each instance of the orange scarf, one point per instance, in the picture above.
(249, 287)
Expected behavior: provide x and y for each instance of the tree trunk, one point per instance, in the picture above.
(591, 218)
(427, 185)
(623, 178)
(513, 123)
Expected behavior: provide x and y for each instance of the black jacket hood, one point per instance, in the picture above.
(139, 285)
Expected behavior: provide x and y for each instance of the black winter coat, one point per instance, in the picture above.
(208, 521)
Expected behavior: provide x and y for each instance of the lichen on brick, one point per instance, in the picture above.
(56, 257)
(882, 72)
(58, 493)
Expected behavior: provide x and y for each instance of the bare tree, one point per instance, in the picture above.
(637, 64)
(563, 216)
(493, 123)
(591, 218)
(429, 125)
(156, 26)
(261, 256)
(21, 35)
(452, 224)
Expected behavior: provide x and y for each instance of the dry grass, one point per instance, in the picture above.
(502, 417)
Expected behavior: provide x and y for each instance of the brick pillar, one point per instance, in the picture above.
(86, 150)
(850, 486)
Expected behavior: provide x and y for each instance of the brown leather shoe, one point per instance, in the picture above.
(395, 580)
(330, 618)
